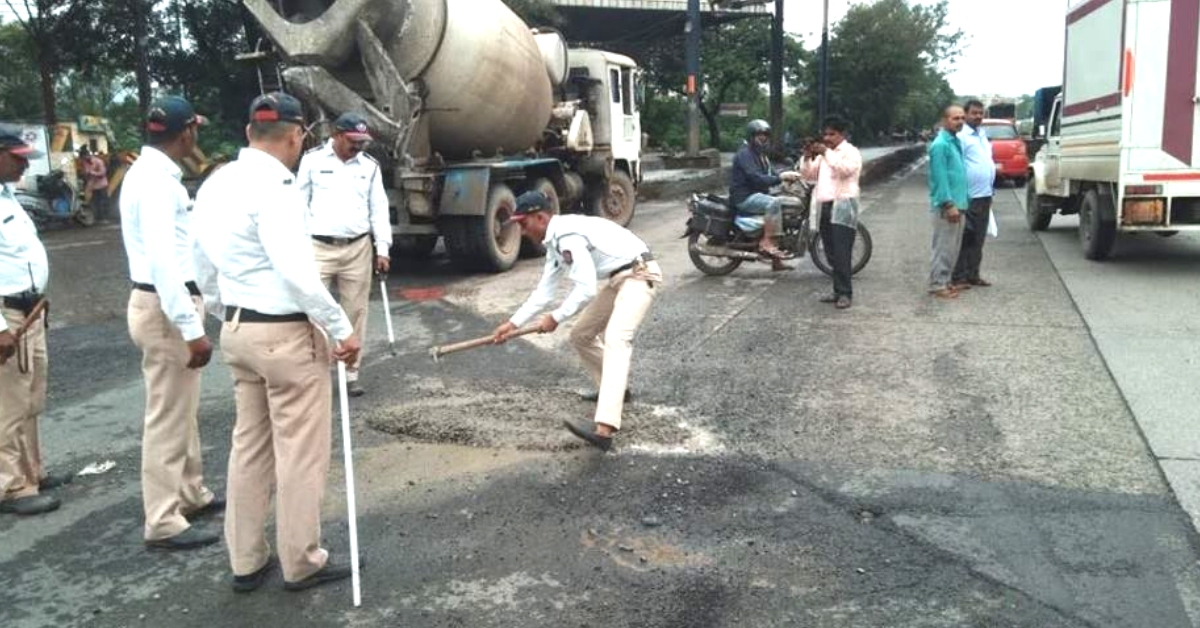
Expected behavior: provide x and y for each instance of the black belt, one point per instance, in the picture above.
(339, 241)
(252, 316)
(641, 259)
(23, 302)
(191, 286)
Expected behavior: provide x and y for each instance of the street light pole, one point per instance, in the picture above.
(777, 69)
(823, 98)
(692, 52)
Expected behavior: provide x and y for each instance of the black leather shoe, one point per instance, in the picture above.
(191, 538)
(30, 505)
(252, 581)
(594, 396)
(603, 443)
(216, 505)
(354, 389)
(331, 572)
(53, 481)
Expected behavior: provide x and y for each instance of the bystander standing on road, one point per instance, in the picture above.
(254, 258)
(95, 174)
(166, 322)
(948, 200)
(835, 164)
(348, 210)
(590, 250)
(981, 176)
(24, 271)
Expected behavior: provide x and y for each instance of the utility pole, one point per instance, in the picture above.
(692, 52)
(777, 70)
(823, 98)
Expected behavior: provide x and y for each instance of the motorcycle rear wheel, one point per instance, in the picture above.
(859, 256)
(708, 264)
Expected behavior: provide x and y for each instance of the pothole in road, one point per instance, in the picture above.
(526, 418)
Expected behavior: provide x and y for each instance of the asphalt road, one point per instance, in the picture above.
(906, 463)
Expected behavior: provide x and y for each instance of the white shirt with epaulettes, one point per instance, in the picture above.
(23, 262)
(346, 199)
(586, 249)
(252, 249)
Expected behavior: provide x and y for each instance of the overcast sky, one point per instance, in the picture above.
(1012, 47)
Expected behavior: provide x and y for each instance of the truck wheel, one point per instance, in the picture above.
(1037, 218)
(485, 242)
(1097, 229)
(413, 246)
(616, 201)
(529, 248)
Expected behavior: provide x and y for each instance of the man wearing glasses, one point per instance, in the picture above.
(343, 187)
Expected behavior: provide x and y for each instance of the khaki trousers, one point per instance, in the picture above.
(603, 335)
(349, 267)
(22, 399)
(281, 441)
(172, 472)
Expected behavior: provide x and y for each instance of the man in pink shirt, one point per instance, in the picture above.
(96, 174)
(835, 165)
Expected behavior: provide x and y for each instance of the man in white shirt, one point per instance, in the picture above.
(254, 258)
(24, 271)
(347, 207)
(166, 321)
(981, 177)
(614, 275)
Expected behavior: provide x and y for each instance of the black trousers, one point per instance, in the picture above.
(970, 255)
(838, 241)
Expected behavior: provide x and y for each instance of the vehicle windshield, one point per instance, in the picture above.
(1000, 131)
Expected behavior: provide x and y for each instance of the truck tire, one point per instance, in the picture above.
(413, 246)
(616, 201)
(1097, 227)
(1036, 216)
(485, 242)
(529, 248)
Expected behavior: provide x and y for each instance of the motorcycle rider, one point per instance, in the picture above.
(750, 185)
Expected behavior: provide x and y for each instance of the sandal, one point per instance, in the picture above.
(982, 283)
(772, 253)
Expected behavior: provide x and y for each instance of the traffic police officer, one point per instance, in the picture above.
(166, 321)
(614, 275)
(253, 257)
(347, 204)
(24, 271)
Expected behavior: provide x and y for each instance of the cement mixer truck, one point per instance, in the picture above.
(470, 108)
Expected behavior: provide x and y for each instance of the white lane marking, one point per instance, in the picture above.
(76, 245)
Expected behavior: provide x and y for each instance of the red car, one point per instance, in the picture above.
(1008, 151)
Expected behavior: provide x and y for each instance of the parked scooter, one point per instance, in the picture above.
(55, 201)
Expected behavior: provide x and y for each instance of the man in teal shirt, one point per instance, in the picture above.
(948, 199)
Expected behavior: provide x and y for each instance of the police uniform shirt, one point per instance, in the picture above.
(345, 199)
(252, 249)
(158, 241)
(586, 249)
(23, 263)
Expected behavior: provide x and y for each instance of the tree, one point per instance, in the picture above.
(733, 68)
(52, 26)
(20, 81)
(886, 65)
(535, 12)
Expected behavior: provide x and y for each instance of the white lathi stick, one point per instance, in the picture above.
(348, 456)
(387, 313)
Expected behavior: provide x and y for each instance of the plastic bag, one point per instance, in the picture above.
(993, 228)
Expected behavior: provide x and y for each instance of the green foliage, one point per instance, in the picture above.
(19, 83)
(886, 60)
(535, 12)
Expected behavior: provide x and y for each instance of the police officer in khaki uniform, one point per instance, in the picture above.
(254, 258)
(348, 208)
(24, 271)
(166, 322)
(614, 275)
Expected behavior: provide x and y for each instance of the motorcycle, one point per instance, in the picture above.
(719, 240)
(55, 200)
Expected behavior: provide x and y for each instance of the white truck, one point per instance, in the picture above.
(470, 108)
(1122, 140)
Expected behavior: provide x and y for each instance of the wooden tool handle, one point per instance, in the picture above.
(36, 312)
(479, 342)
